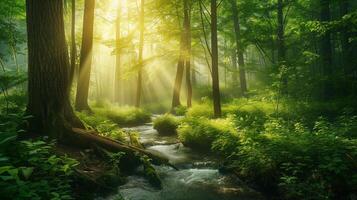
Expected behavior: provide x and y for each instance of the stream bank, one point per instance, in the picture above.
(198, 177)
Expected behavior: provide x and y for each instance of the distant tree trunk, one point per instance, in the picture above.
(215, 75)
(86, 57)
(281, 45)
(326, 51)
(179, 75)
(345, 44)
(117, 86)
(141, 47)
(73, 42)
(188, 52)
(193, 73)
(242, 75)
(48, 70)
(184, 58)
(235, 67)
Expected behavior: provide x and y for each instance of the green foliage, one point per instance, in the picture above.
(166, 124)
(102, 125)
(124, 116)
(180, 110)
(294, 151)
(200, 133)
(31, 171)
(200, 110)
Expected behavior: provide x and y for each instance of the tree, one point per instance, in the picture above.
(326, 51)
(141, 47)
(242, 75)
(187, 25)
(48, 70)
(117, 86)
(73, 41)
(215, 76)
(86, 57)
(184, 59)
(281, 44)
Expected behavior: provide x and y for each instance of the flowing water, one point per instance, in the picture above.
(197, 178)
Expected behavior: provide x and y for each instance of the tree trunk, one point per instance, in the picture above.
(188, 52)
(242, 75)
(117, 86)
(215, 74)
(179, 75)
(184, 58)
(86, 57)
(73, 42)
(48, 70)
(141, 47)
(326, 52)
(235, 68)
(281, 46)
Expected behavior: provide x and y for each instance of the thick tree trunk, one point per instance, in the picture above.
(86, 57)
(73, 42)
(242, 74)
(215, 75)
(117, 86)
(141, 47)
(326, 52)
(48, 70)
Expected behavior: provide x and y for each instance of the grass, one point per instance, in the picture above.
(166, 124)
(124, 116)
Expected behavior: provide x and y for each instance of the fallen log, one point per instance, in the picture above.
(90, 138)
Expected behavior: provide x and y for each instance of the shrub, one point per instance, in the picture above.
(166, 124)
(202, 110)
(200, 133)
(181, 110)
(128, 116)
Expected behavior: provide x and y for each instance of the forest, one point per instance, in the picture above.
(178, 99)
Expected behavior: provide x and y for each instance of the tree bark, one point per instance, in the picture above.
(184, 59)
(73, 42)
(281, 46)
(141, 47)
(235, 67)
(242, 73)
(48, 70)
(117, 86)
(326, 51)
(188, 52)
(86, 57)
(215, 73)
(179, 75)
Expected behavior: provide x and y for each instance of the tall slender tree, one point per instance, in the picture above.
(187, 16)
(281, 44)
(184, 59)
(215, 75)
(240, 50)
(117, 86)
(48, 70)
(86, 57)
(141, 48)
(326, 51)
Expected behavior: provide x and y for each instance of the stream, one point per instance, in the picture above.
(198, 177)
